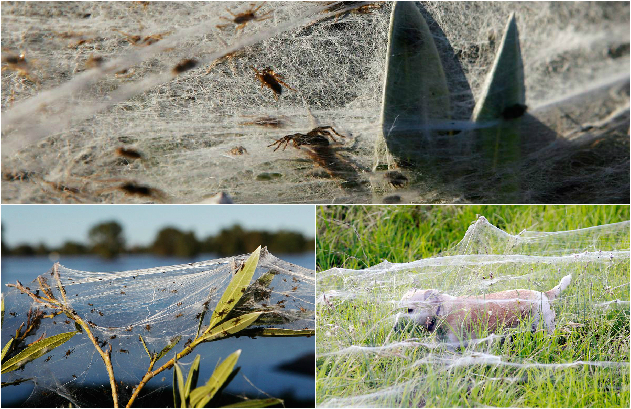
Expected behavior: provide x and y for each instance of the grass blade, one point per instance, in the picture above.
(36, 350)
(202, 395)
(235, 289)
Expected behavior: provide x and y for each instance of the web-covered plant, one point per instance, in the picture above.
(366, 359)
(137, 324)
(282, 102)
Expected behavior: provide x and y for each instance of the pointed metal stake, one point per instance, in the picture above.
(415, 90)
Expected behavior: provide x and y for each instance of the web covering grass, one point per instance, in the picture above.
(362, 361)
(163, 305)
(62, 122)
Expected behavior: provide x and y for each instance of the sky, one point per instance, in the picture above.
(55, 224)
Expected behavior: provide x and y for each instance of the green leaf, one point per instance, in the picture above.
(191, 381)
(266, 279)
(201, 321)
(167, 348)
(179, 400)
(202, 395)
(235, 289)
(229, 327)
(255, 403)
(36, 350)
(2, 318)
(5, 349)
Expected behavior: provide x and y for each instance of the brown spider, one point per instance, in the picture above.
(19, 64)
(315, 137)
(141, 41)
(184, 65)
(128, 153)
(271, 80)
(244, 18)
(238, 150)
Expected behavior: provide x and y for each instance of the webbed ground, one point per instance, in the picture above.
(72, 133)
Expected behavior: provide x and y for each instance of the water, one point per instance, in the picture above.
(259, 359)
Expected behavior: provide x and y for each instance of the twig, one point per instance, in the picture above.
(51, 301)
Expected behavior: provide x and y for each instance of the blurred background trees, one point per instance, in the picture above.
(107, 240)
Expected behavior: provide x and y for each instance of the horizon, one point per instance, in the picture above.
(55, 225)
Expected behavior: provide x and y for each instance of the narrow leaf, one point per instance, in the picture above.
(167, 348)
(2, 318)
(146, 349)
(202, 395)
(229, 327)
(255, 403)
(191, 380)
(36, 350)
(179, 399)
(5, 349)
(266, 279)
(236, 288)
(201, 321)
(257, 291)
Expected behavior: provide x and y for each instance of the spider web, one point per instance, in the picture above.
(358, 310)
(60, 131)
(159, 304)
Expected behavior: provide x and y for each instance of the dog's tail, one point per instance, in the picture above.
(554, 293)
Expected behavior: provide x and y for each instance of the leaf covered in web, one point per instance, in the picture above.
(164, 306)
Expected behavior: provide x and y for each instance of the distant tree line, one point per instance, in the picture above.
(108, 241)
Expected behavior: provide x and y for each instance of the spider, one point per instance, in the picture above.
(184, 65)
(238, 150)
(244, 18)
(271, 80)
(19, 64)
(315, 137)
(128, 153)
(140, 41)
(142, 190)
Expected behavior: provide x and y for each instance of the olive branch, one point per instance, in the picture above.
(225, 321)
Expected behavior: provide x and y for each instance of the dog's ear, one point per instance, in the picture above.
(435, 297)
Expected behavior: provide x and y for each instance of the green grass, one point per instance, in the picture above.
(360, 236)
